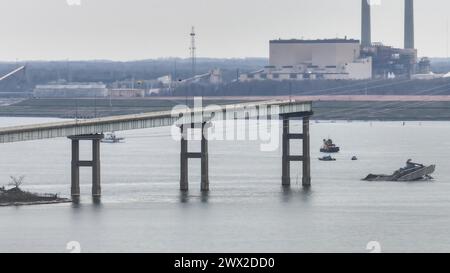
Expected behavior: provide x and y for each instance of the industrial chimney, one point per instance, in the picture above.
(366, 35)
(409, 24)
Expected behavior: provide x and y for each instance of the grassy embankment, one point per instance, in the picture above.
(328, 110)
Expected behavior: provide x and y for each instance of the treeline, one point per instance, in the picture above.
(109, 72)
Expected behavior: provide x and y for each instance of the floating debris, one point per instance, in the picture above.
(412, 172)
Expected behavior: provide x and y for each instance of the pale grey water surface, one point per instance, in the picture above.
(246, 210)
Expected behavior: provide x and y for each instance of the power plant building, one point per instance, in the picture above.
(388, 60)
(345, 59)
(332, 59)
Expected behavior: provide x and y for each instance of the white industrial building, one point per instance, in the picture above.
(70, 90)
(126, 93)
(314, 59)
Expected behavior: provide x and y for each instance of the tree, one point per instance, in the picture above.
(16, 182)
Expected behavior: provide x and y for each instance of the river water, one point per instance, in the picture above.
(247, 210)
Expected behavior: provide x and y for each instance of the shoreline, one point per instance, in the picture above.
(17, 197)
(36, 203)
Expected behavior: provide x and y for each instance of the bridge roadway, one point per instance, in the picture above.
(148, 120)
(183, 117)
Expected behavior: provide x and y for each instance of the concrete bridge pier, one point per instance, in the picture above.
(204, 161)
(185, 155)
(94, 164)
(184, 160)
(75, 178)
(287, 158)
(306, 180)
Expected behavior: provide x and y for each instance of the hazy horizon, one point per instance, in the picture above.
(153, 29)
(182, 59)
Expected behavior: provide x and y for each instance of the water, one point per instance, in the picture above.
(246, 210)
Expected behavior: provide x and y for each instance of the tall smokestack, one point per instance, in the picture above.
(409, 24)
(366, 35)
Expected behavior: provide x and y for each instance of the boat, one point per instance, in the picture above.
(354, 158)
(327, 158)
(412, 172)
(112, 138)
(329, 147)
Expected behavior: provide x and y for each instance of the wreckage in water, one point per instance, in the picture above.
(413, 172)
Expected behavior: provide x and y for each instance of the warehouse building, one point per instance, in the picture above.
(71, 90)
(126, 93)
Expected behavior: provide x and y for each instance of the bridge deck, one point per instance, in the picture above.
(152, 119)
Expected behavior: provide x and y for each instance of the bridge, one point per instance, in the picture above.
(183, 117)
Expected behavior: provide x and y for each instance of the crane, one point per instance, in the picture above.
(12, 73)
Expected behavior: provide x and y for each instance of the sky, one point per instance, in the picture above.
(147, 29)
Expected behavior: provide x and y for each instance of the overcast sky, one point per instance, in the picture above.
(143, 29)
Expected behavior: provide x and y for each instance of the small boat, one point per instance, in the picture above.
(354, 158)
(327, 158)
(412, 172)
(112, 138)
(329, 147)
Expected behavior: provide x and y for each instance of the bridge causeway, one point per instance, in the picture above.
(186, 119)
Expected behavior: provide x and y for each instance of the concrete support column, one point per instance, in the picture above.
(286, 165)
(94, 164)
(306, 181)
(185, 155)
(204, 159)
(288, 158)
(96, 186)
(75, 177)
(184, 184)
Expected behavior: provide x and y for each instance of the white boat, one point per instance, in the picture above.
(112, 138)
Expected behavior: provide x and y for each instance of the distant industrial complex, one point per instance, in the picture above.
(345, 59)
(318, 60)
(121, 89)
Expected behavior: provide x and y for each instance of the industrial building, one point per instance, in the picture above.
(344, 59)
(126, 93)
(314, 59)
(71, 90)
